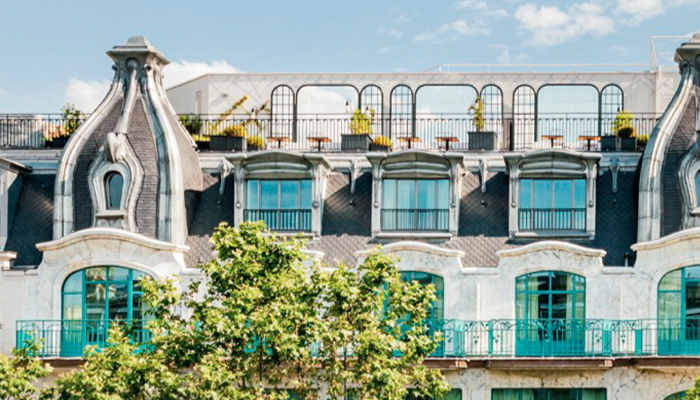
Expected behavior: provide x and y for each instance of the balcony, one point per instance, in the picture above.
(69, 338)
(320, 132)
(281, 220)
(415, 220)
(552, 219)
(461, 339)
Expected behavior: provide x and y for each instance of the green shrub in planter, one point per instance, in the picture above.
(230, 138)
(381, 143)
(255, 143)
(360, 128)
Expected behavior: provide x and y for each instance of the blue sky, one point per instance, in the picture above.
(54, 52)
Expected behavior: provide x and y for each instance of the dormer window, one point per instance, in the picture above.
(552, 194)
(114, 186)
(284, 205)
(415, 205)
(552, 204)
(416, 194)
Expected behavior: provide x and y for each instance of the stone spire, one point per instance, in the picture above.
(134, 132)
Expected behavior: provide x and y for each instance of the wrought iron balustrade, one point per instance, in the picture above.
(415, 219)
(282, 220)
(552, 219)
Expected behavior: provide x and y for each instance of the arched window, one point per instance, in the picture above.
(550, 308)
(103, 294)
(492, 96)
(676, 396)
(114, 186)
(443, 110)
(282, 110)
(611, 102)
(401, 111)
(371, 98)
(565, 113)
(524, 114)
(679, 311)
(424, 278)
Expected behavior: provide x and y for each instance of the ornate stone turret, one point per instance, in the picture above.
(668, 195)
(131, 165)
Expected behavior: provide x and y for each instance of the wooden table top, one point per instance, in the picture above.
(278, 138)
(447, 139)
(319, 139)
(550, 137)
(409, 139)
(587, 137)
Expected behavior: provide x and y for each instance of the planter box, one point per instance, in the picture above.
(255, 148)
(58, 143)
(628, 144)
(376, 147)
(609, 143)
(482, 140)
(355, 142)
(227, 143)
(202, 145)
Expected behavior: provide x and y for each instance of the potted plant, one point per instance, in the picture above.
(230, 138)
(72, 119)
(255, 143)
(360, 127)
(642, 141)
(381, 143)
(622, 137)
(202, 141)
(628, 140)
(480, 139)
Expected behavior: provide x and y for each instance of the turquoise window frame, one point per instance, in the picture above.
(676, 396)
(550, 336)
(676, 334)
(437, 312)
(281, 217)
(549, 394)
(77, 333)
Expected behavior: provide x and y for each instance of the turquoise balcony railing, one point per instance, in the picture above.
(472, 339)
(69, 338)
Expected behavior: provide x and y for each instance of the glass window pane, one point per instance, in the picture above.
(289, 195)
(114, 184)
(669, 305)
(426, 194)
(96, 274)
(525, 193)
(579, 193)
(118, 274)
(671, 281)
(691, 272)
(562, 193)
(73, 306)
(580, 303)
(692, 299)
(389, 200)
(443, 193)
(306, 195)
(119, 301)
(74, 283)
(562, 281)
(542, 193)
(406, 197)
(252, 200)
(268, 195)
(138, 278)
(95, 299)
(562, 306)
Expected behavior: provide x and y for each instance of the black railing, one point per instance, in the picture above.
(282, 220)
(415, 219)
(552, 219)
(581, 132)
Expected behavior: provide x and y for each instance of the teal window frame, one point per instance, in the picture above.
(549, 394)
(676, 396)
(280, 217)
(438, 308)
(678, 333)
(550, 336)
(415, 216)
(551, 208)
(452, 394)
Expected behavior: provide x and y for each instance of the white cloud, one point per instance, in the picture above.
(182, 71)
(471, 5)
(497, 13)
(549, 26)
(86, 95)
(402, 19)
(452, 31)
(385, 49)
(506, 58)
(639, 11)
(393, 32)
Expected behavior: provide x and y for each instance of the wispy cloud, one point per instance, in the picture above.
(182, 71)
(505, 57)
(402, 19)
(392, 32)
(85, 95)
(452, 31)
(634, 12)
(548, 25)
(471, 5)
(385, 49)
(497, 13)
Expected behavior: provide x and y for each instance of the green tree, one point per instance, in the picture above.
(72, 119)
(374, 337)
(19, 374)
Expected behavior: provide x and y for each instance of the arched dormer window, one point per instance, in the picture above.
(114, 188)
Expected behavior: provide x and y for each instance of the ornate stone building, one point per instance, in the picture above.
(561, 270)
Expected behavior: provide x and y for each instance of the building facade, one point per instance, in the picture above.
(562, 270)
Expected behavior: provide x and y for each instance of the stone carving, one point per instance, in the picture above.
(483, 173)
(614, 170)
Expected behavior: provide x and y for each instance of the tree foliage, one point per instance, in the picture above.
(19, 374)
(263, 321)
